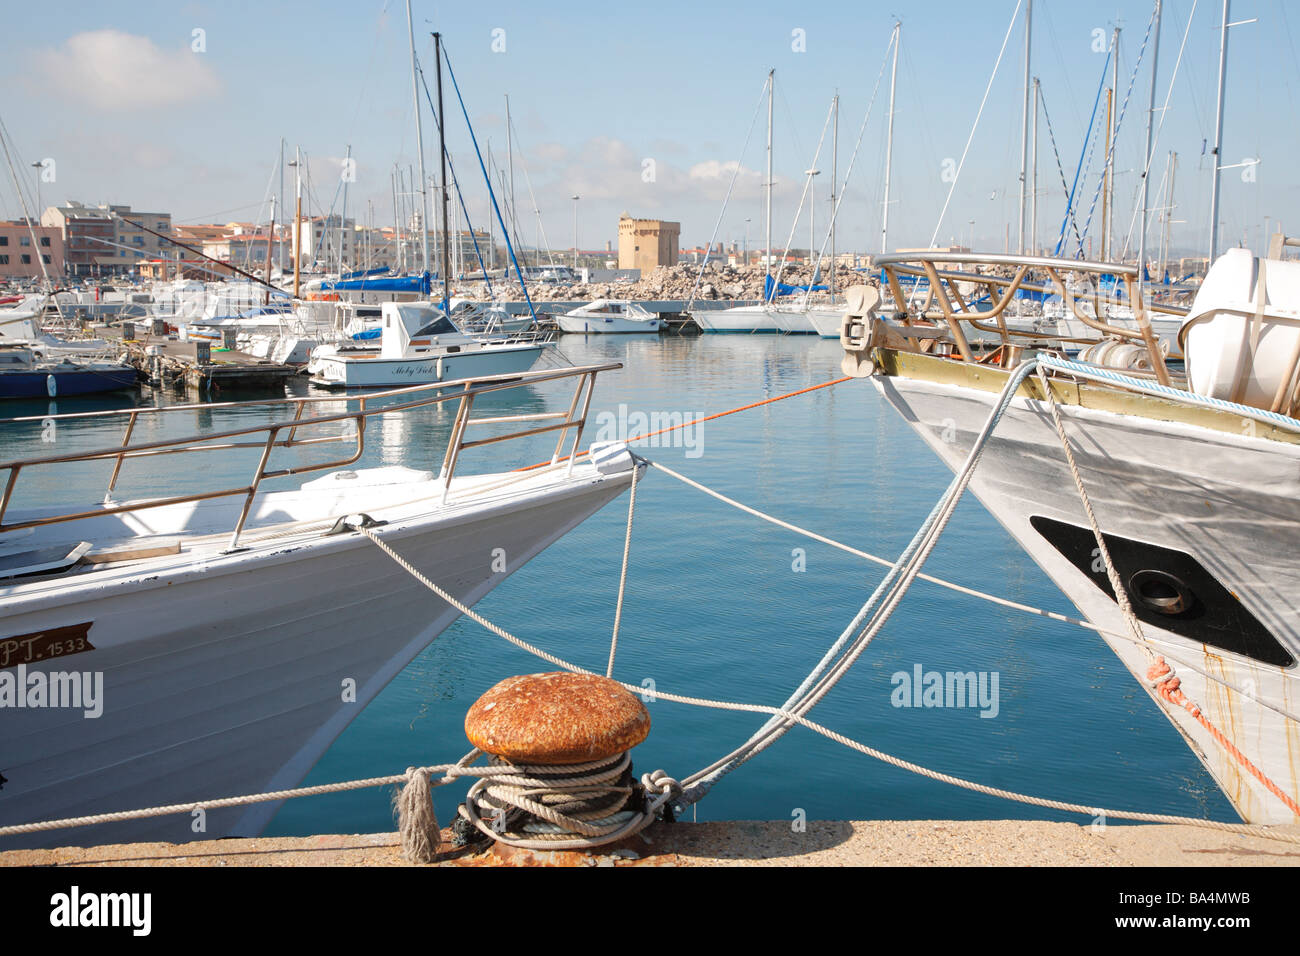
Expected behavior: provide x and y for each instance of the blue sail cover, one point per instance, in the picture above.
(769, 284)
(422, 283)
(359, 273)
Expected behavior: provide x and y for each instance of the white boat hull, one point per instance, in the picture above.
(743, 318)
(342, 371)
(234, 674)
(593, 324)
(1229, 500)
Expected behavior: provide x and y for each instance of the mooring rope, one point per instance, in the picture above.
(959, 588)
(622, 574)
(514, 787)
(1162, 677)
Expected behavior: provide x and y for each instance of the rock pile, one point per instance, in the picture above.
(719, 281)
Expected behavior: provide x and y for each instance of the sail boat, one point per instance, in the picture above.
(750, 318)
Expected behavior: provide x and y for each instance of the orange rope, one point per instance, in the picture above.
(1169, 690)
(709, 418)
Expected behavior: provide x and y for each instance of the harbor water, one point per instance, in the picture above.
(723, 606)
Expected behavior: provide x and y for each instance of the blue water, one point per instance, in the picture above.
(716, 608)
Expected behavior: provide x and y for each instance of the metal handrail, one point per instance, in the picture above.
(955, 309)
(462, 390)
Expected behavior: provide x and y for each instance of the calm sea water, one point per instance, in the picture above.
(721, 605)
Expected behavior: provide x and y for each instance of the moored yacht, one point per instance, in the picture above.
(418, 345)
(609, 315)
(1194, 481)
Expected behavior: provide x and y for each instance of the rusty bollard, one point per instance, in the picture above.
(572, 732)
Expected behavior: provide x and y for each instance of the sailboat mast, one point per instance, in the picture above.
(1146, 166)
(343, 219)
(835, 155)
(510, 162)
(442, 153)
(1033, 192)
(297, 220)
(889, 141)
(270, 237)
(1108, 220)
(1024, 124)
(1105, 192)
(1218, 134)
(1171, 168)
(281, 193)
(419, 144)
(767, 258)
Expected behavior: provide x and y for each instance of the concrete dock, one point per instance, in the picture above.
(741, 843)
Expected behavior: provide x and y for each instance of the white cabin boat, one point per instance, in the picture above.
(609, 315)
(420, 345)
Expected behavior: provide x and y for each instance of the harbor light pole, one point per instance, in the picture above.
(39, 166)
(812, 208)
(746, 254)
(575, 233)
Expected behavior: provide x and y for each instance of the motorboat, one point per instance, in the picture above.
(609, 315)
(420, 344)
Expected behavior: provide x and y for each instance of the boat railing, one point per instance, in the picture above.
(284, 433)
(957, 305)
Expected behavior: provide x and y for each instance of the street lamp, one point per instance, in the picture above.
(575, 233)
(812, 206)
(39, 166)
(971, 245)
(747, 222)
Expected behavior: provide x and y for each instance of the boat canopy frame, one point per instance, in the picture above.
(956, 307)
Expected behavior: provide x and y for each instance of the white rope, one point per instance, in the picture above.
(622, 575)
(970, 592)
(824, 676)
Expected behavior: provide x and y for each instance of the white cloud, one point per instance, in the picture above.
(112, 70)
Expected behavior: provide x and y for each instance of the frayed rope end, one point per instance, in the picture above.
(417, 822)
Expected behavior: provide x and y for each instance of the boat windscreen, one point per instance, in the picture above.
(440, 326)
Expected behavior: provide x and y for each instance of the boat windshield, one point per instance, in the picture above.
(440, 326)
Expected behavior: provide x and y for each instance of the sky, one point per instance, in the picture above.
(652, 108)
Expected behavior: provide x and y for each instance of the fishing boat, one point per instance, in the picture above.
(421, 345)
(221, 638)
(609, 315)
(1166, 506)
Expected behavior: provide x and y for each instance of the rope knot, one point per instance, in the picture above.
(1160, 672)
(659, 782)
